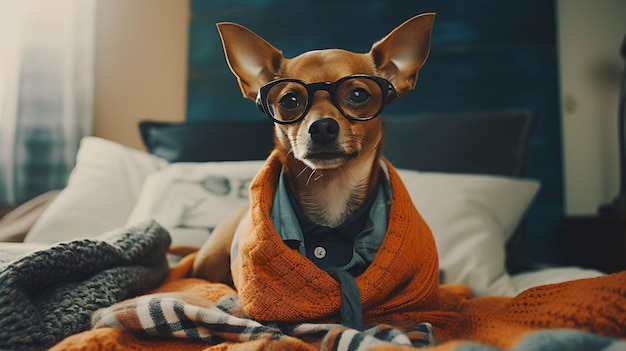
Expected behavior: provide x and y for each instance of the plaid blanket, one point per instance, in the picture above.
(50, 294)
(186, 316)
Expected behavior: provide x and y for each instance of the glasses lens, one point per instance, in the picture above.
(287, 101)
(360, 97)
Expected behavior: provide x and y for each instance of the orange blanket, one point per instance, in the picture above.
(278, 286)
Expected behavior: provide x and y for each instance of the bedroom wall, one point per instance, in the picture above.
(590, 35)
(141, 66)
(141, 62)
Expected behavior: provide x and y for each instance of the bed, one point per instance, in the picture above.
(127, 220)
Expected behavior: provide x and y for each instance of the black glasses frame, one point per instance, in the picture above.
(388, 90)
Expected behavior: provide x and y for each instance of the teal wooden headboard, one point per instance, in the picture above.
(487, 54)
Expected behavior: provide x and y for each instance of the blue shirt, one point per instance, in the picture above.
(351, 246)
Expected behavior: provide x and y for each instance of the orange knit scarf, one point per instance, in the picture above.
(277, 284)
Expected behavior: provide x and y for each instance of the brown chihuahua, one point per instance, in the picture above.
(324, 105)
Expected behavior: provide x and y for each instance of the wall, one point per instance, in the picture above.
(590, 35)
(141, 66)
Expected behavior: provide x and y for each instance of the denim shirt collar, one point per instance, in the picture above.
(366, 228)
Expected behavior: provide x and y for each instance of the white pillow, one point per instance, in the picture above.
(190, 199)
(551, 275)
(471, 217)
(101, 192)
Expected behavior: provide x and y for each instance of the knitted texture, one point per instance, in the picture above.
(51, 294)
(401, 285)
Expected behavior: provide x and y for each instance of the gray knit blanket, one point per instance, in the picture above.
(50, 294)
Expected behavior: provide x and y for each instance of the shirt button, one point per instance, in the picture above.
(319, 252)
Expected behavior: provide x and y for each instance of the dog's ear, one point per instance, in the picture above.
(252, 59)
(401, 54)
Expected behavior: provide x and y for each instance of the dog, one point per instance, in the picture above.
(326, 106)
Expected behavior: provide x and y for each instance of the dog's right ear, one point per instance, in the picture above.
(253, 60)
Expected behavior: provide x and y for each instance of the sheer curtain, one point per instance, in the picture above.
(46, 92)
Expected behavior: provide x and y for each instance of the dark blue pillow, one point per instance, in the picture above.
(208, 141)
(491, 142)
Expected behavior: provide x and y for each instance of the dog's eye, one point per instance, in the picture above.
(289, 102)
(359, 96)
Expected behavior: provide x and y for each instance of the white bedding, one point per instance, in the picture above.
(471, 216)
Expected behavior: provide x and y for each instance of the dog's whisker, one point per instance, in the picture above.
(318, 177)
(309, 179)
(299, 174)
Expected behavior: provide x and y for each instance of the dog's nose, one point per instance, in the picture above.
(324, 130)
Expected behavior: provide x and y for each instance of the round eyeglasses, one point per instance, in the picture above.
(358, 97)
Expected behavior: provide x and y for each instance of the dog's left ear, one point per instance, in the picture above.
(401, 54)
